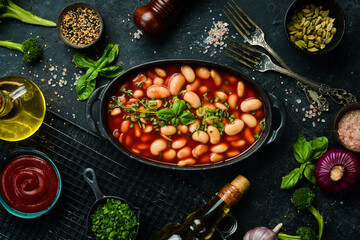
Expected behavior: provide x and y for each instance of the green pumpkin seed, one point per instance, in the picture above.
(328, 40)
(322, 46)
(333, 30)
(313, 49)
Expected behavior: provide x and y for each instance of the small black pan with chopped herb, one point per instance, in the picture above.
(114, 220)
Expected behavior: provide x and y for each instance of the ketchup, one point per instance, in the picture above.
(29, 183)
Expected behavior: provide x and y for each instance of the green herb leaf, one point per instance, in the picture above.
(83, 61)
(110, 53)
(290, 180)
(187, 118)
(165, 114)
(178, 107)
(86, 84)
(319, 147)
(302, 150)
(309, 173)
(112, 71)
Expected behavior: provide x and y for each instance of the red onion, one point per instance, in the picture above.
(337, 170)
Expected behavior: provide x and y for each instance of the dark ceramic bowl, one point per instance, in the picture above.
(20, 152)
(270, 103)
(335, 12)
(74, 6)
(335, 122)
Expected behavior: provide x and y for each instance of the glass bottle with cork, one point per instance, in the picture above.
(22, 108)
(202, 223)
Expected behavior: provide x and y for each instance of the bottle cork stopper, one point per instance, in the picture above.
(241, 183)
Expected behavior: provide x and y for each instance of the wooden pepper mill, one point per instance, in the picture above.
(155, 17)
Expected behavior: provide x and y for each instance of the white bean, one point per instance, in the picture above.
(124, 127)
(135, 150)
(212, 120)
(115, 112)
(122, 139)
(221, 106)
(148, 83)
(160, 72)
(148, 129)
(192, 98)
(202, 72)
(221, 95)
(156, 91)
(214, 134)
(183, 129)
(158, 81)
(234, 128)
(179, 143)
(249, 120)
(200, 136)
(216, 157)
(203, 89)
(176, 83)
(199, 150)
(168, 130)
(194, 126)
(219, 148)
(194, 86)
(216, 76)
(137, 130)
(238, 143)
(157, 101)
(240, 89)
(142, 146)
(250, 105)
(169, 154)
(158, 146)
(232, 153)
(232, 101)
(188, 73)
(187, 161)
(184, 153)
(138, 93)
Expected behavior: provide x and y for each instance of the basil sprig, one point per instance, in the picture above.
(86, 83)
(176, 114)
(305, 152)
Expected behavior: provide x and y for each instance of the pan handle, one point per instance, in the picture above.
(95, 96)
(93, 183)
(278, 105)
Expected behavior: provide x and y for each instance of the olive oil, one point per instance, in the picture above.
(22, 108)
(201, 224)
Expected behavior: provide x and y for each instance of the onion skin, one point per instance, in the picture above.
(338, 158)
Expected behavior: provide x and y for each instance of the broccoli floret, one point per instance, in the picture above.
(303, 233)
(302, 199)
(31, 49)
(8, 9)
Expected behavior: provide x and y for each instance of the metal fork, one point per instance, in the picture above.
(261, 62)
(253, 34)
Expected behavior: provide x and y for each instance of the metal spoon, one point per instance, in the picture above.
(101, 199)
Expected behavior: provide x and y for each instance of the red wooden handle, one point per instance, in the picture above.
(154, 18)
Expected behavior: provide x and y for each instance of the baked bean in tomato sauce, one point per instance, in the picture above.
(186, 115)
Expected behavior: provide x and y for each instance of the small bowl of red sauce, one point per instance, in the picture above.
(30, 183)
(346, 127)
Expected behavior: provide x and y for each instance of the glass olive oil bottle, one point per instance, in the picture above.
(201, 224)
(22, 108)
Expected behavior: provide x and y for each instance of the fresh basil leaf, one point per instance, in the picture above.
(309, 173)
(83, 61)
(319, 147)
(86, 84)
(175, 122)
(290, 180)
(302, 150)
(110, 53)
(112, 71)
(187, 118)
(178, 107)
(165, 114)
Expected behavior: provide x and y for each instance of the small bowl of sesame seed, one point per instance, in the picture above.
(346, 127)
(80, 25)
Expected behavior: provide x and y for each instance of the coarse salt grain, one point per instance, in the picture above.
(349, 129)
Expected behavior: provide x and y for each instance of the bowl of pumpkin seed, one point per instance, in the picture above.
(314, 26)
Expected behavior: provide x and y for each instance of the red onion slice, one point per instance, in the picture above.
(337, 170)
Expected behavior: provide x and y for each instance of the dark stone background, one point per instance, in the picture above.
(265, 204)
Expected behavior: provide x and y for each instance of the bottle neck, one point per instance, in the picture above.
(230, 195)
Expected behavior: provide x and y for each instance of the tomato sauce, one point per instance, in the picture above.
(137, 139)
(29, 183)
